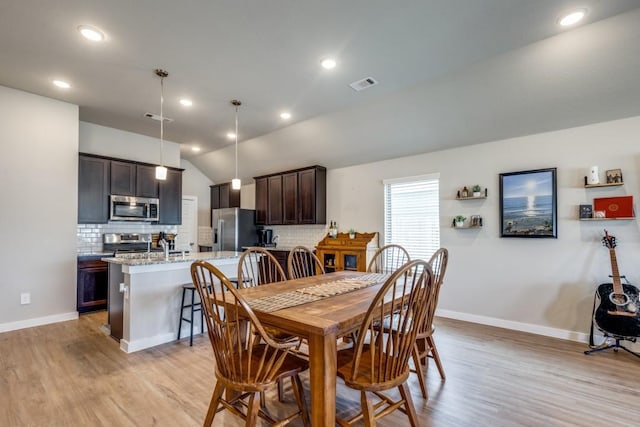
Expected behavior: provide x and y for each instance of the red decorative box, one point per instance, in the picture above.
(614, 207)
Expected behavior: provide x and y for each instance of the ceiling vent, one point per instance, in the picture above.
(365, 83)
(157, 117)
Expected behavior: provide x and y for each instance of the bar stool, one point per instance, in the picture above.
(193, 306)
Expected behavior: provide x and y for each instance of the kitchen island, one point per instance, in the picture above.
(145, 292)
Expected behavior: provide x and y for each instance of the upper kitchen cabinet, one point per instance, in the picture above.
(131, 179)
(171, 198)
(93, 189)
(262, 201)
(223, 196)
(292, 197)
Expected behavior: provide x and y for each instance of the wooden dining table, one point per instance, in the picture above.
(321, 323)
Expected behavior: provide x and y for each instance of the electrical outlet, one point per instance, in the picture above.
(25, 298)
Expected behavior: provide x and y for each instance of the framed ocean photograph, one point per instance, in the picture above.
(528, 204)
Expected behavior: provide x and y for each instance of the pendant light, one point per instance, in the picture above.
(161, 171)
(235, 182)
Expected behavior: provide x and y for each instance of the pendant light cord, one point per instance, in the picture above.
(162, 121)
(236, 142)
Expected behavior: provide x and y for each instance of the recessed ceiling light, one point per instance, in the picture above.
(61, 84)
(186, 102)
(285, 115)
(573, 17)
(328, 63)
(231, 135)
(195, 148)
(91, 33)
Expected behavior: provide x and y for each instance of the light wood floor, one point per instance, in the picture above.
(70, 374)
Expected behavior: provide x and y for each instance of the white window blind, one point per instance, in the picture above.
(412, 214)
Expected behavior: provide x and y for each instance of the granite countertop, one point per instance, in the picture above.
(158, 258)
(96, 254)
(274, 248)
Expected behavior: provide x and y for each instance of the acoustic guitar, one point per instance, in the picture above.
(618, 312)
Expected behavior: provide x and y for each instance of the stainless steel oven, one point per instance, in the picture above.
(128, 208)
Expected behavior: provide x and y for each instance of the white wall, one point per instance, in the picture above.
(39, 193)
(195, 183)
(542, 283)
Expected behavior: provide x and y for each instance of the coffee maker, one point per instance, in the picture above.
(265, 236)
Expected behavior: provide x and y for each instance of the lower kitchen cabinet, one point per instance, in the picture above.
(92, 285)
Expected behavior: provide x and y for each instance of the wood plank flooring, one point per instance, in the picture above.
(70, 374)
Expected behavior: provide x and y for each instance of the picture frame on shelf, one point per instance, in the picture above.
(614, 176)
(528, 204)
(586, 211)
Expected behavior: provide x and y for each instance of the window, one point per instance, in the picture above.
(412, 214)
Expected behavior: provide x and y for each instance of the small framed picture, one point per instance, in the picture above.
(586, 211)
(614, 176)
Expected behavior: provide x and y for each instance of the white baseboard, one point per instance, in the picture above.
(137, 345)
(38, 321)
(528, 327)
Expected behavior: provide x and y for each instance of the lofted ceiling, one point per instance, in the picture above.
(450, 72)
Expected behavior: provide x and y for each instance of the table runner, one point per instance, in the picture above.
(315, 293)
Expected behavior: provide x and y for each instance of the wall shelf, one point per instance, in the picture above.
(609, 219)
(466, 227)
(613, 184)
(471, 198)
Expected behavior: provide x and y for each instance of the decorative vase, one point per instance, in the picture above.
(476, 194)
(352, 235)
(459, 224)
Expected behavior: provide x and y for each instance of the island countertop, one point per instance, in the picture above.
(154, 258)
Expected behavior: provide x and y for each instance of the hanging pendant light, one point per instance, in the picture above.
(161, 171)
(235, 182)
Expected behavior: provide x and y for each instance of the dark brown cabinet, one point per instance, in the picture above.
(292, 197)
(99, 177)
(274, 195)
(131, 179)
(223, 196)
(93, 190)
(92, 285)
(170, 192)
(123, 178)
(262, 201)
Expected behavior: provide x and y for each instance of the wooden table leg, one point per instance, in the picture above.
(322, 373)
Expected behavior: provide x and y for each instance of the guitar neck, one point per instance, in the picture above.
(615, 274)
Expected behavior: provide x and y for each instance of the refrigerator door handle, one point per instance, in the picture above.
(220, 234)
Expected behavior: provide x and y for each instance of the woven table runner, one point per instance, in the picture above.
(314, 293)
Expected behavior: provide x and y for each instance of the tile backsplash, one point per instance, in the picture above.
(294, 235)
(89, 236)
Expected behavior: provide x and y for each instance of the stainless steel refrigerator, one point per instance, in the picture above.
(233, 228)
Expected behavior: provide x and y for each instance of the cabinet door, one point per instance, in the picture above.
(146, 182)
(123, 178)
(215, 197)
(262, 201)
(93, 190)
(92, 287)
(312, 196)
(171, 198)
(274, 211)
(224, 195)
(290, 198)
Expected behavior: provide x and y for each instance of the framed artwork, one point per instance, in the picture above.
(528, 204)
(614, 176)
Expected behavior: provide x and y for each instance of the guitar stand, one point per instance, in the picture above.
(615, 347)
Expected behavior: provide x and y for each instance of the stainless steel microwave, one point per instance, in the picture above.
(128, 208)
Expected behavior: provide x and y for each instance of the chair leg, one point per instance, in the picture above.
(436, 357)
(193, 300)
(252, 410)
(181, 313)
(408, 404)
(299, 394)
(213, 405)
(368, 412)
(280, 391)
(416, 361)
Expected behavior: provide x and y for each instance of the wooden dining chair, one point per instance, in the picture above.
(302, 262)
(248, 359)
(388, 259)
(258, 267)
(379, 361)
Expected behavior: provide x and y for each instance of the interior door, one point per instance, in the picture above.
(187, 237)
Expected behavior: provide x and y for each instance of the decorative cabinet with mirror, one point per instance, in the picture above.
(345, 253)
